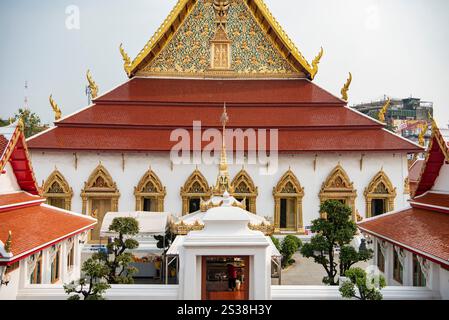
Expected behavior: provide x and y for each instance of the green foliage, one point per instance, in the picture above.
(31, 121)
(336, 230)
(120, 270)
(289, 246)
(93, 285)
(358, 282)
(349, 256)
(164, 242)
(276, 243)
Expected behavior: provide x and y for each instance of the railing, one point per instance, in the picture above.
(332, 293)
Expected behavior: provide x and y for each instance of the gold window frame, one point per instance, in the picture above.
(370, 192)
(338, 186)
(297, 193)
(158, 191)
(251, 196)
(67, 191)
(188, 192)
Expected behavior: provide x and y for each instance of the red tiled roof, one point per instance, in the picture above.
(433, 199)
(33, 227)
(140, 115)
(218, 91)
(425, 231)
(3, 144)
(16, 198)
(290, 140)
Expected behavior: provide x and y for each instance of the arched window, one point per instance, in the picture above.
(244, 189)
(339, 187)
(194, 189)
(379, 195)
(100, 196)
(57, 191)
(150, 193)
(288, 196)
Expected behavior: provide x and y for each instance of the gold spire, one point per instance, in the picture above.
(126, 60)
(55, 108)
(223, 180)
(345, 89)
(384, 109)
(92, 85)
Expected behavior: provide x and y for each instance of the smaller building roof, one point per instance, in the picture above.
(422, 231)
(17, 198)
(155, 223)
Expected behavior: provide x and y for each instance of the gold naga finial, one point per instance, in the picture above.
(434, 123)
(11, 120)
(21, 124)
(345, 89)
(55, 108)
(422, 135)
(126, 60)
(223, 180)
(316, 62)
(92, 85)
(384, 110)
(8, 243)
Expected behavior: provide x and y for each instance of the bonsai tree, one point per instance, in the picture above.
(289, 246)
(359, 282)
(93, 285)
(117, 258)
(334, 229)
(164, 242)
(349, 256)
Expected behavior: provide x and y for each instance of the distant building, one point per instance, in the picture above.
(404, 116)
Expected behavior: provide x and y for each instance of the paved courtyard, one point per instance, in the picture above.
(306, 272)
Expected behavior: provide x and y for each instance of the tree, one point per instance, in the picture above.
(117, 259)
(289, 246)
(358, 282)
(164, 242)
(349, 256)
(334, 230)
(93, 285)
(31, 121)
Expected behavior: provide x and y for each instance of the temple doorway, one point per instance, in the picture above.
(225, 278)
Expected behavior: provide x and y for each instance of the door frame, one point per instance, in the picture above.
(246, 273)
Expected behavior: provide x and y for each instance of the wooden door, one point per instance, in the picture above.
(99, 208)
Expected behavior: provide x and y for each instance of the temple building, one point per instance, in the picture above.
(115, 155)
(39, 244)
(412, 245)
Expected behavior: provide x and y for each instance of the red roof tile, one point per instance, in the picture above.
(16, 198)
(3, 144)
(423, 230)
(415, 170)
(218, 91)
(290, 140)
(433, 199)
(36, 226)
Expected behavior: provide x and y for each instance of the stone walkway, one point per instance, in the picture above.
(306, 272)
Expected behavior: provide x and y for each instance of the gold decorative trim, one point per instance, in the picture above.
(56, 109)
(196, 186)
(345, 89)
(288, 187)
(183, 8)
(338, 186)
(407, 186)
(126, 60)
(62, 190)
(150, 186)
(249, 192)
(376, 191)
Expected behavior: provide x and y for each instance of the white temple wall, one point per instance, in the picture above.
(9, 292)
(442, 182)
(444, 283)
(8, 181)
(136, 164)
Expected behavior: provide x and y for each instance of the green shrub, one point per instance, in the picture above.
(289, 246)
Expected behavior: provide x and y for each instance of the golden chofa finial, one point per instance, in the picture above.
(92, 85)
(55, 108)
(383, 111)
(422, 135)
(345, 89)
(21, 125)
(126, 60)
(316, 62)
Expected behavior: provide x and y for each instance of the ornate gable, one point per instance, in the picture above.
(223, 38)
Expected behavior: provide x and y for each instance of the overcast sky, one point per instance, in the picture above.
(395, 47)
